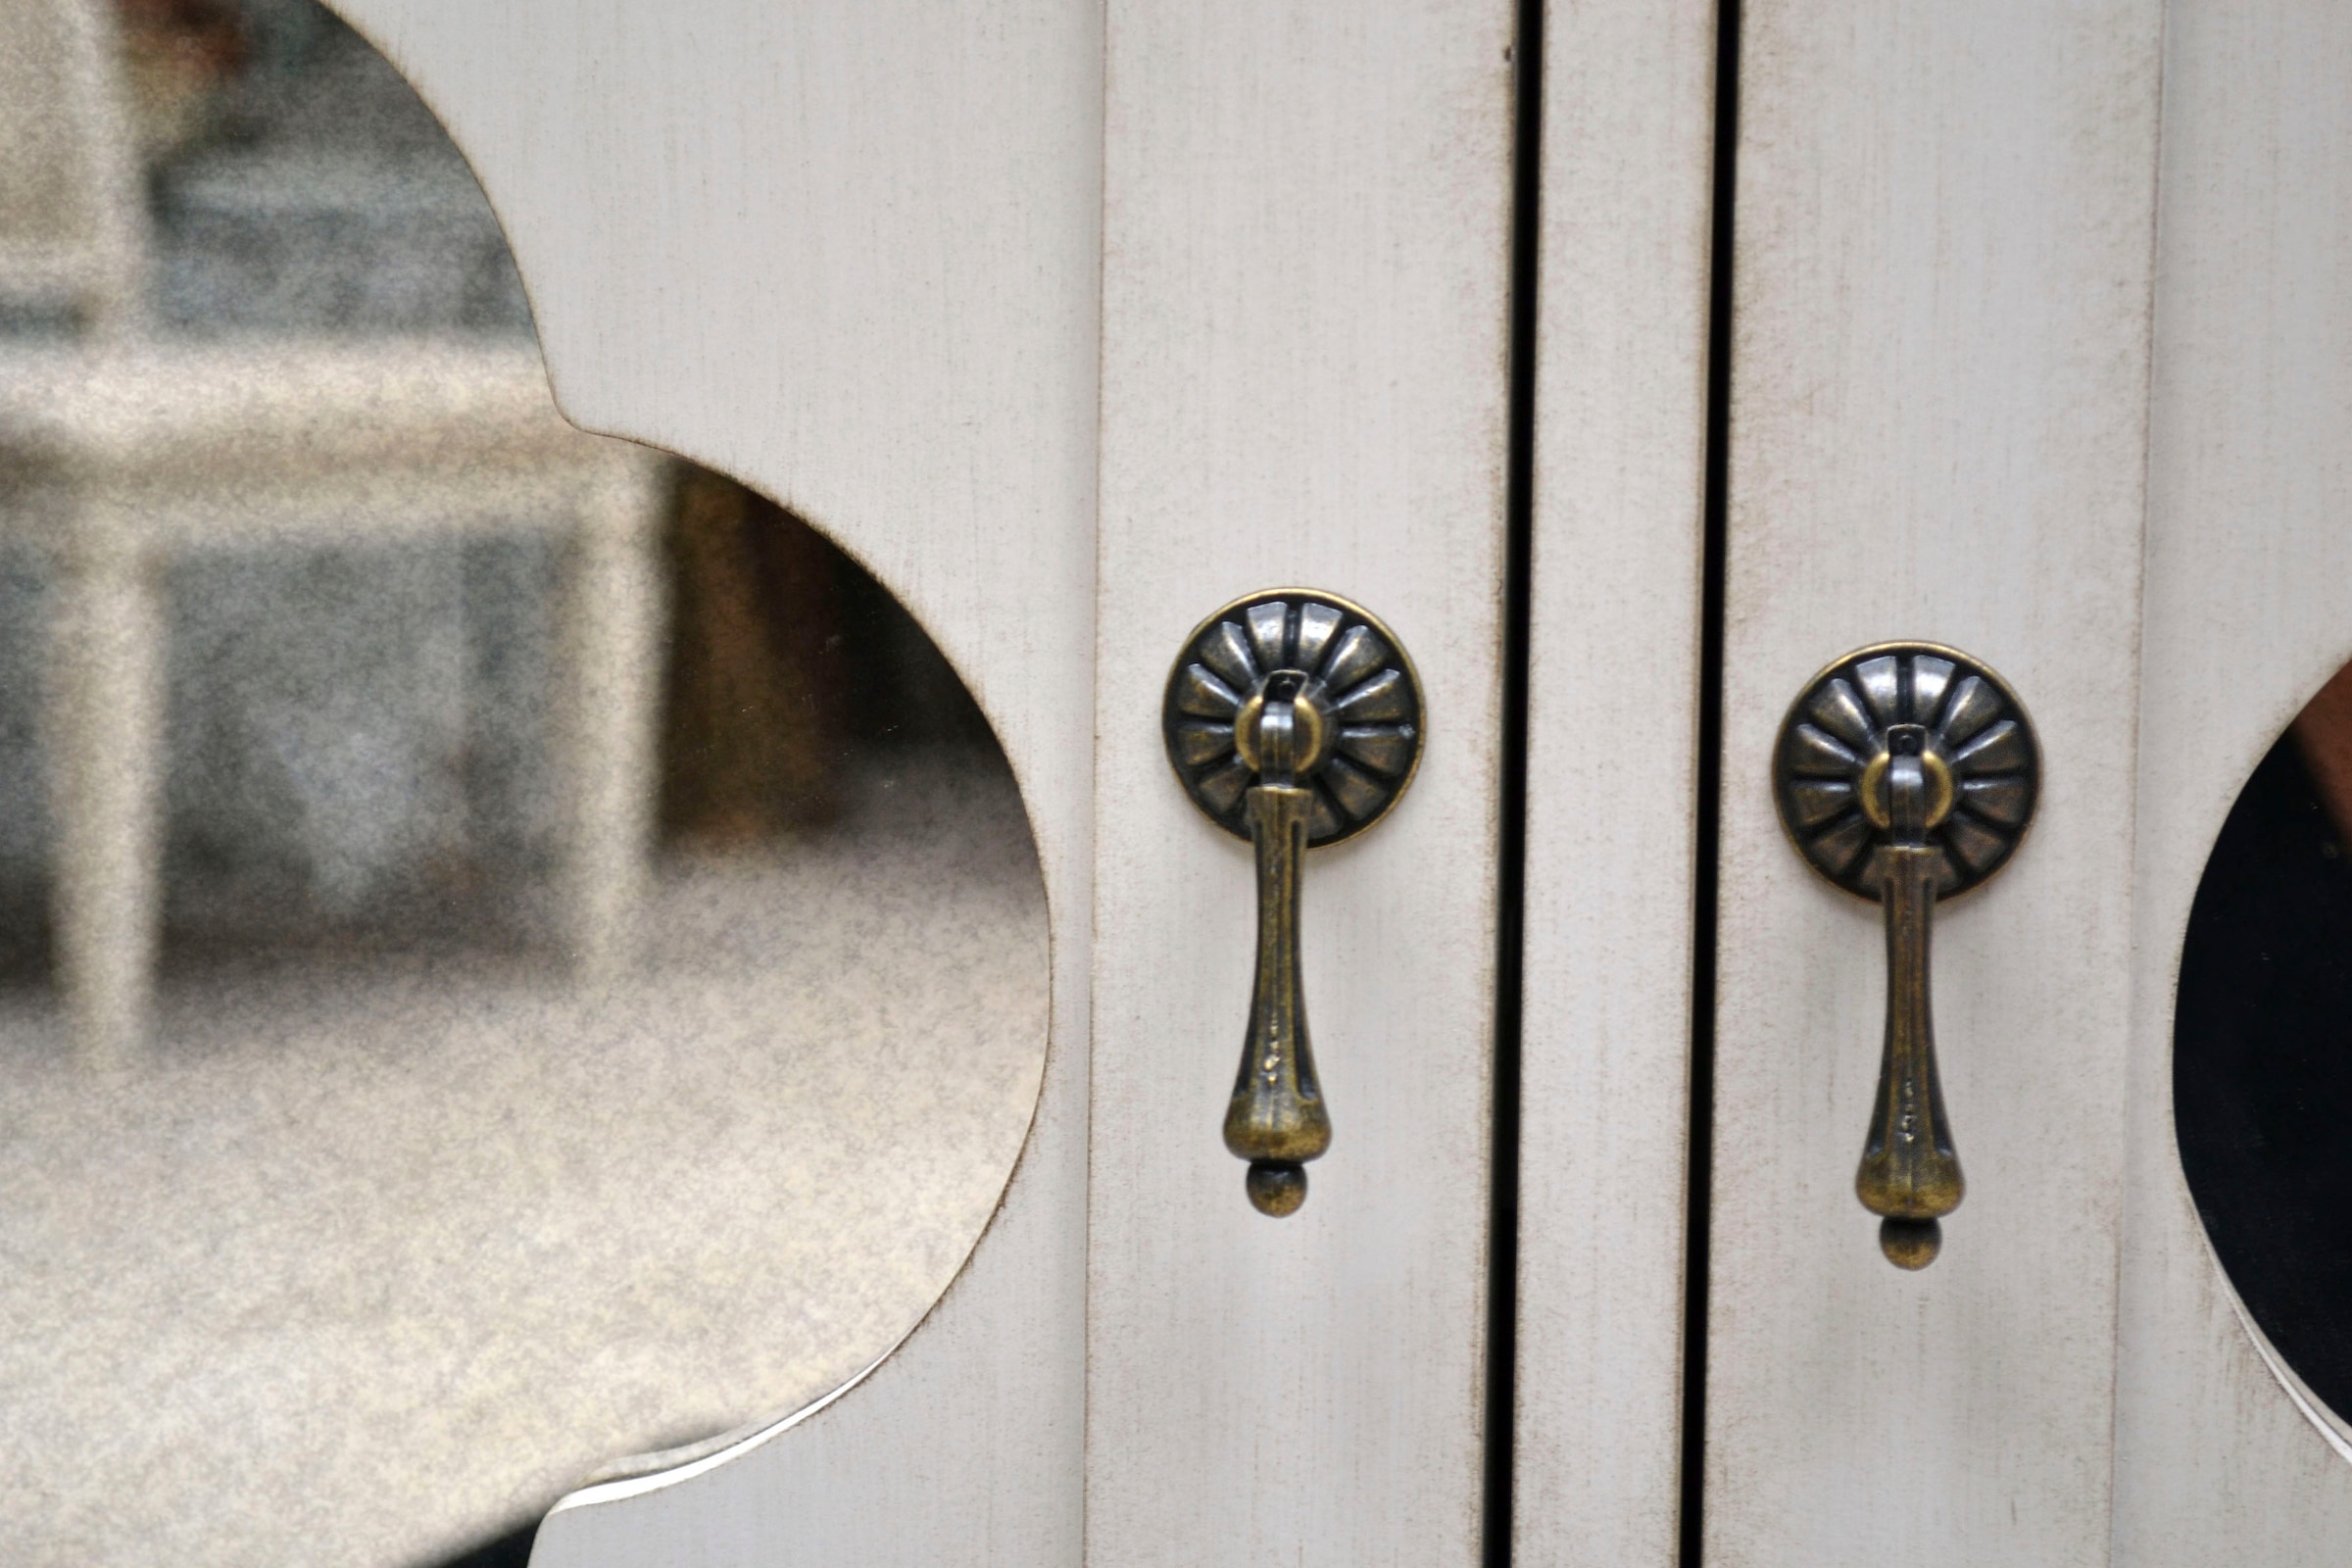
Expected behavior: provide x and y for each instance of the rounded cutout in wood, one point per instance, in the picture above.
(2261, 1046)
(514, 951)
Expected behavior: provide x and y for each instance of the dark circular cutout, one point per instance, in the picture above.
(2261, 1046)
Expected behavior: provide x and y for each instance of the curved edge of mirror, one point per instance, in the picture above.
(2257, 907)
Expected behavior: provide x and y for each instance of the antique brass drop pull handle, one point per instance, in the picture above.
(1907, 772)
(1293, 719)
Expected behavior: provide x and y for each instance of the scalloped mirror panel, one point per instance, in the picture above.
(2262, 1048)
(514, 951)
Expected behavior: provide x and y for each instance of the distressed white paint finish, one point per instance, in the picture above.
(2248, 612)
(847, 253)
(1305, 313)
(1620, 409)
(1945, 221)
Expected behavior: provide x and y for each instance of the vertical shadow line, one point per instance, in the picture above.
(1503, 1219)
(1707, 833)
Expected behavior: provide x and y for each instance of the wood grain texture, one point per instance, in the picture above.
(1305, 310)
(2248, 554)
(1620, 439)
(848, 255)
(1945, 219)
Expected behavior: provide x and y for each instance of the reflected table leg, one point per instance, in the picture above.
(615, 618)
(106, 745)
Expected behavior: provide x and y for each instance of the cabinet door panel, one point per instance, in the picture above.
(1939, 365)
(871, 261)
(1305, 314)
(849, 253)
(2248, 554)
(1629, 120)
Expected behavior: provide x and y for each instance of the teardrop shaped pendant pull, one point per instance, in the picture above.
(1293, 719)
(1906, 773)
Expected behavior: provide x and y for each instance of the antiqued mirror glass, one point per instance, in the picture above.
(2261, 1046)
(514, 951)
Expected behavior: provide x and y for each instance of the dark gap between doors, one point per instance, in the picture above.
(1707, 834)
(1503, 1227)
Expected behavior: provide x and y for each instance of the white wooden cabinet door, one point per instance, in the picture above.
(2221, 1455)
(2039, 345)
(1074, 323)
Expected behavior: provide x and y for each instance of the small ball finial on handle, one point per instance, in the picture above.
(1277, 1187)
(1910, 1244)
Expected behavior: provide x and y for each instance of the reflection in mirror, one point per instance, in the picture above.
(2261, 1046)
(514, 951)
